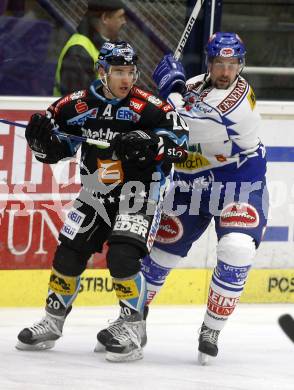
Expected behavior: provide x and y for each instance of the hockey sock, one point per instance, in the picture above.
(155, 276)
(235, 252)
(156, 268)
(61, 293)
(131, 292)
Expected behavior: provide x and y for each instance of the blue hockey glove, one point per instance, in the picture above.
(169, 76)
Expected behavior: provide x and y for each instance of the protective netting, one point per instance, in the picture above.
(71, 11)
(154, 27)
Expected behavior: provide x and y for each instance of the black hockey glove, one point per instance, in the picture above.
(45, 145)
(138, 146)
(145, 147)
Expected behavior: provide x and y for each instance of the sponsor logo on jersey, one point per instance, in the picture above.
(168, 107)
(170, 230)
(62, 102)
(251, 98)
(72, 223)
(110, 171)
(234, 97)
(106, 134)
(80, 120)
(137, 225)
(78, 95)
(194, 86)
(81, 107)
(140, 93)
(241, 215)
(221, 305)
(205, 92)
(226, 52)
(147, 96)
(202, 107)
(193, 162)
(155, 100)
(137, 105)
(125, 114)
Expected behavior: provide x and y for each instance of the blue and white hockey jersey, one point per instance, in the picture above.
(223, 132)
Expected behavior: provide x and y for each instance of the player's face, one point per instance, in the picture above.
(223, 71)
(120, 79)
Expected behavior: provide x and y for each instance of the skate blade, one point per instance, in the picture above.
(99, 347)
(35, 347)
(124, 357)
(203, 359)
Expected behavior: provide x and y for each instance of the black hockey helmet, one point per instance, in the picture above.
(116, 53)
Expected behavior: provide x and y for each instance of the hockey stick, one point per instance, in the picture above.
(99, 143)
(286, 322)
(188, 29)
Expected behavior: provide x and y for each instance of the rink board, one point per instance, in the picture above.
(28, 288)
(35, 197)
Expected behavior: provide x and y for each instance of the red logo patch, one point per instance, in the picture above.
(81, 107)
(150, 296)
(226, 52)
(61, 103)
(140, 93)
(221, 305)
(167, 108)
(170, 230)
(220, 158)
(137, 105)
(240, 215)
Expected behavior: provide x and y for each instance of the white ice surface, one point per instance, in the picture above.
(254, 354)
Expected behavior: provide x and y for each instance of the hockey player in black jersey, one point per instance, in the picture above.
(121, 195)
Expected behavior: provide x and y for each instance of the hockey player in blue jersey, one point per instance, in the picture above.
(224, 177)
(223, 180)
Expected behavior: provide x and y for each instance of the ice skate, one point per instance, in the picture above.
(42, 335)
(126, 346)
(207, 344)
(115, 329)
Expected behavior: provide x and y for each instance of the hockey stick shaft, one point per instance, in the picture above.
(90, 141)
(188, 29)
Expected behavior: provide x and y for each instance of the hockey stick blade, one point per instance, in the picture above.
(286, 322)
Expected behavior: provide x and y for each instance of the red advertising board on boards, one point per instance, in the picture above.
(34, 199)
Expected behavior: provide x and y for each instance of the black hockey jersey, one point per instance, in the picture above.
(89, 114)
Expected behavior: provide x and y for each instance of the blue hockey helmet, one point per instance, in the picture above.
(225, 44)
(116, 53)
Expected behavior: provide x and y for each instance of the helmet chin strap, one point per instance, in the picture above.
(106, 86)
